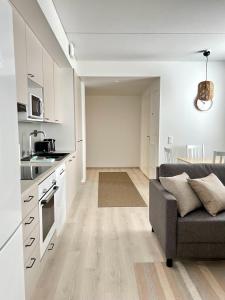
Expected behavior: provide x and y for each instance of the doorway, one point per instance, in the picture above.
(150, 111)
(122, 121)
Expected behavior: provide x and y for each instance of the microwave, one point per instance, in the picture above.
(35, 107)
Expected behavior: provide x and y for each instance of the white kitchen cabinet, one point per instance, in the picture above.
(70, 180)
(48, 74)
(60, 199)
(10, 200)
(32, 272)
(78, 107)
(79, 165)
(34, 57)
(58, 98)
(12, 268)
(79, 131)
(19, 29)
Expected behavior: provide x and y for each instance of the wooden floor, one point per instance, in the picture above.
(95, 256)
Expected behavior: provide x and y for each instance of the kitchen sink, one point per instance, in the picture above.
(55, 155)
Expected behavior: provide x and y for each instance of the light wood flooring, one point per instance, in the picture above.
(95, 257)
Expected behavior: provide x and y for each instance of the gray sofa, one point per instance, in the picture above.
(197, 235)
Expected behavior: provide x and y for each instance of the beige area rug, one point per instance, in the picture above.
(185, 281)
(116, 189)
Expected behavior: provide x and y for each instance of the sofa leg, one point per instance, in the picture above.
(153, 230)
(169, 262)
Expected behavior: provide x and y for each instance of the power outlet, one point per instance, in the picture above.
(170, 140)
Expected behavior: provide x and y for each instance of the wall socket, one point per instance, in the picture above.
(170, 140)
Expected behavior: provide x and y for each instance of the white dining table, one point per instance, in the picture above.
(194, 161)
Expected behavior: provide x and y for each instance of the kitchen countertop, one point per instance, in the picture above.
(27, 184)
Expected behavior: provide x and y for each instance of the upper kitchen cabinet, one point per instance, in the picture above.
(58, 98)
(48, 74)
(34, 57)
(20, 51)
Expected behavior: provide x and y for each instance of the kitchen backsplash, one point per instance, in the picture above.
(24, 132)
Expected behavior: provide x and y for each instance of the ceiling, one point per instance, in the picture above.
(116, 86)
(141, 30)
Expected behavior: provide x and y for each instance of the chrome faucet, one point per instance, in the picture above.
(35, 134)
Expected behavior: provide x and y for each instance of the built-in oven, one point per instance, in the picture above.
(46, 191)
(35, 107)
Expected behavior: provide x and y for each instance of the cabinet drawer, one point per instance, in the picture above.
(32, 268)
(30, 222)
(31, 242)
(29, 201)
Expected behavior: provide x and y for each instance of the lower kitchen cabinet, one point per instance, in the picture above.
(70, 180)
(32, 271)
(31, 242)
(48, 255)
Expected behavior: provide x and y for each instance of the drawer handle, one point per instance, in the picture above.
(33, 259)
(62, 172)
(29, 199)
(30, 75)
(70, 160)
(74, 156)
(31, 220)
(31, 243)
(53, 245)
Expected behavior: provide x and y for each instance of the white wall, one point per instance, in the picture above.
(113, 131)
(179, 81)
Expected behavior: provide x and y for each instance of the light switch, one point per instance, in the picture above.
(170, 140)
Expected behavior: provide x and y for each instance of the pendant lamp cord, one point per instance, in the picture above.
(206, 67)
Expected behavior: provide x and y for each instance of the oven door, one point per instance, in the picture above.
(47, 218)
(35, 107)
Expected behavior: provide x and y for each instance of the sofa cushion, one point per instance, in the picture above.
(193, 170)
(178, 185)
(211, 192)
(201, 227)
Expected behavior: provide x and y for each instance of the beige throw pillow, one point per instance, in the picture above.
(187, 200)
(211, 192)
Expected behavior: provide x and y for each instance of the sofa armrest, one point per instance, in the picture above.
(163, 217)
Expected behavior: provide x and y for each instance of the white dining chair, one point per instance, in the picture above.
(219, 156)
(168, 153)
(195, 152)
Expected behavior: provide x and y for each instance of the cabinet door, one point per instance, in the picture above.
(19, 29)
(12, 269)
(58, 98)
(69, 171)
(34, 57)
(78, 107)
(10, 201)
(48, 72)
(70, 180)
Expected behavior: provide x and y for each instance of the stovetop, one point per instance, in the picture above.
(31, 172)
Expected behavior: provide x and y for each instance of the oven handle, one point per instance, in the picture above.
(45, 201)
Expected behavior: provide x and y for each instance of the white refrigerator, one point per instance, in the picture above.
(11, 242)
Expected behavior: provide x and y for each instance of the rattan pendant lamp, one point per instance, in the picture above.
(205, 89)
